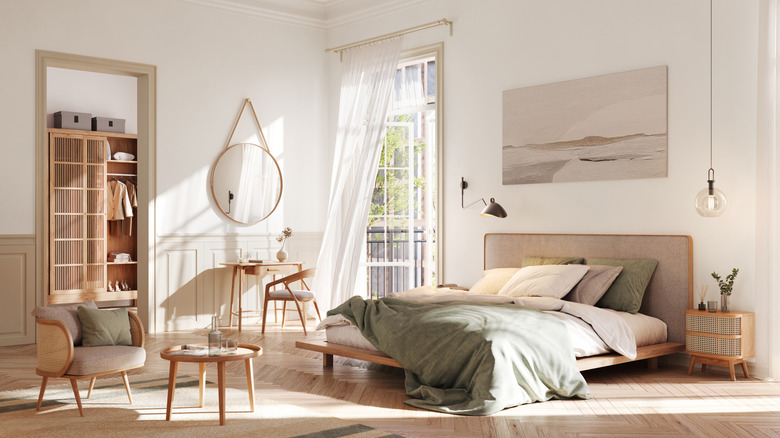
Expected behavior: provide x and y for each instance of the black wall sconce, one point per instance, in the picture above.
(492, 209)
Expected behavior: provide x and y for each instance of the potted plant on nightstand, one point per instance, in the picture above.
(725, 286)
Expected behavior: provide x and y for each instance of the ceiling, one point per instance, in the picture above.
(319, 14)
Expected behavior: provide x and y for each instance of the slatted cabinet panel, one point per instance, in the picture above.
(77, 175)
(78, 231)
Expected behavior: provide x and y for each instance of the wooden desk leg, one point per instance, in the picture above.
(232, 294)
(221, 384)
(693, 362)
(171, 388)
(240, 294)
(744, 369)
(201, 383)
(250, 383)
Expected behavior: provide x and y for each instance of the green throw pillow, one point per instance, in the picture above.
(627, 290)
(104, 327)
(536, 261)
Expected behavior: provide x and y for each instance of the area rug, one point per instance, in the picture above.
(108, 413)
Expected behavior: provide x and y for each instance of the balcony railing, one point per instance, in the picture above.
(395, 263)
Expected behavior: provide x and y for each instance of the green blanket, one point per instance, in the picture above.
(471, 358)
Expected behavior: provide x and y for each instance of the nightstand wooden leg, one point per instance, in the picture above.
(744, 369)
(693, 362)
(731, 372)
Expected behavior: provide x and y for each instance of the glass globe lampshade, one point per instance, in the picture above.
(711, 202)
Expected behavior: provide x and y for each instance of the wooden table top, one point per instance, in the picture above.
(263, 263)
(244, 351)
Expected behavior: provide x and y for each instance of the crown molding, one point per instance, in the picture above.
(315, 14)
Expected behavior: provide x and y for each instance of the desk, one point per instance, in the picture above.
(245, 352)
(240, 270)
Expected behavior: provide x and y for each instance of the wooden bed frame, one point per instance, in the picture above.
(668, 295)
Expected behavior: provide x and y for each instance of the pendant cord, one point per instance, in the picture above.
(710, 84)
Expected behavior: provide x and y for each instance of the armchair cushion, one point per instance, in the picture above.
(104, 327)
(94, 360)
(67, 314)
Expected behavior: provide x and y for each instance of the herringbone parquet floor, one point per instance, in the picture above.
(627, 400)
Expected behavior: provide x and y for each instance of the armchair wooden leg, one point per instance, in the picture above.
(127, 386)
(284, 312)
(43, 389)
(76, 394)
(91, 385)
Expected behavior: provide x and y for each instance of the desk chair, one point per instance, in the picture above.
(296, 296)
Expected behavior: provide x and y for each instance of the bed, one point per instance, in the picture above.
(667, 295)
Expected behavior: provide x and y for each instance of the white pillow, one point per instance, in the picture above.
(544, 281)
(493, 280)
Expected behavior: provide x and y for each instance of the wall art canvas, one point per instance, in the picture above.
(609, 127)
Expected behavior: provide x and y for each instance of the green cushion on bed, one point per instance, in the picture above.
(536, 261)
(627, 290)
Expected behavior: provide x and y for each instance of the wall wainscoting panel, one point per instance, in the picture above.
(17, 270)
(192, 286)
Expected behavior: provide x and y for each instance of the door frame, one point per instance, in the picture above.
(147, 146)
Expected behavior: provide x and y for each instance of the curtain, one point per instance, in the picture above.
(366, 86)
(408, 88)
(767, 191)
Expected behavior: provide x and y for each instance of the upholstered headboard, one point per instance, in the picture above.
(669, 293)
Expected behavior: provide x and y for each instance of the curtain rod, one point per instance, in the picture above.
(442, 22)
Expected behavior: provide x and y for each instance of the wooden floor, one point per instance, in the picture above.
(627, 400)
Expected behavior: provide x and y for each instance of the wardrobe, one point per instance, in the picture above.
(92, 247)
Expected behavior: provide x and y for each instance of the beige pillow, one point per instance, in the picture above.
(67, 314)
(544, 281)
(493, 280)
(594, 284)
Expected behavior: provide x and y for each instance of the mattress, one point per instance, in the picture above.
(647, 331)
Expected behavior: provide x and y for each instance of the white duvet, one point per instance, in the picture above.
(593, 330)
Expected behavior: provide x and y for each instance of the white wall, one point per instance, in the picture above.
(101, 95)
(207, 62)
(504, 44)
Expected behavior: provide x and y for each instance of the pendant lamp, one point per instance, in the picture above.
(710, 202)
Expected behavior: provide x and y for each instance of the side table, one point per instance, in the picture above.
(720, 338)
(245, 352)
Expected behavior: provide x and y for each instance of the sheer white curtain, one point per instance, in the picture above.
(767, 191)
(408, 88)
(366, 85)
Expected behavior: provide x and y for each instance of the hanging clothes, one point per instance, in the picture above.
(133, 200)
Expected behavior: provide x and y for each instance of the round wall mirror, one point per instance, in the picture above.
(246, 183)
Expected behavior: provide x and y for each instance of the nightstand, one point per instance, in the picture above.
(718, 338)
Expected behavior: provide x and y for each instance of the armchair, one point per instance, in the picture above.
(59, 356)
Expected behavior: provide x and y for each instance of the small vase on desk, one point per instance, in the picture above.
(724, 303)
(282, 254)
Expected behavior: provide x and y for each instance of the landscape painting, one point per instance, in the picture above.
(609, 127)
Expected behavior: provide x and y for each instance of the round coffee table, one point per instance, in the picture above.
(244, 352)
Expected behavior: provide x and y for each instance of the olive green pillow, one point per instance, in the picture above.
(627, 290)
(104, 327)
(536, 261)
